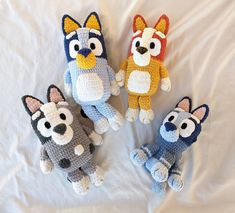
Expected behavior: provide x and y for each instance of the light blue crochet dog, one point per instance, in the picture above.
(89, 78)
(179, 130)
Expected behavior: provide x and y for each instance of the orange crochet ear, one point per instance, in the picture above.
(162, 24)
(139, 23)
(69, 24)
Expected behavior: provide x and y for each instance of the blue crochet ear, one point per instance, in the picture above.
(201, 112)
(93, 21)
(69, 24)
(185, 103)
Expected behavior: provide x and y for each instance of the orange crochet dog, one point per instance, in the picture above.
(143, 69)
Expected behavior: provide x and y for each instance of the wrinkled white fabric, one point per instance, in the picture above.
(200, 58)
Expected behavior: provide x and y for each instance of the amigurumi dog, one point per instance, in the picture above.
(144, 68)
(89, 78)
(66, 144)
(179, 130)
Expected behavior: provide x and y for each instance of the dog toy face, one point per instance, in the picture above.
(142, 71)
(85, 45)
(65, 143)
(148, 43)
(89, 78)
(179, 130)
(183, 125)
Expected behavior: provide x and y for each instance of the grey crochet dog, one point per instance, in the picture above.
(66, 144)
(179, 130)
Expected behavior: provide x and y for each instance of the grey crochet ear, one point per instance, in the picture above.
(31, 104)
(54, 94)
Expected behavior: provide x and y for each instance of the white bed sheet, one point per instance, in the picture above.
(200, 57)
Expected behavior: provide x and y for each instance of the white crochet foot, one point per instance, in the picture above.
(138, 157)
(46, 166)
(81, 187)
(132, 114)
(101, 126)
(97, 178)
(96, 138)
(175, 182)
(146, 116)
(159, 172)
(116, 121)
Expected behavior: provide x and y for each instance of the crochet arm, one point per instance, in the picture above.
(46, 164)
(96, 139)
(68, 83)
(141, 155)
(111, 73)
(167, 159)
(115, 90)
(165, 80)
(120, 76)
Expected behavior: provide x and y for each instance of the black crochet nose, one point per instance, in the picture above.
(64, 163)
(85, 52)
(170, 126)
(142, 50)
(60, 129)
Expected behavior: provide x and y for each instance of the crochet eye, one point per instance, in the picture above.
(62, 116)
(95, 46)
(187, 127)
(171, 117)
(74, 47)
(65, 115)
(44, 127)
(137, 44)
(155, 47)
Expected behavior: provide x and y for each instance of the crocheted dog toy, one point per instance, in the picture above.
(179, 130)
(144, 68)
(89, 78)
(66, 144)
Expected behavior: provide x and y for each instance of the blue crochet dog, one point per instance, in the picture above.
(179, 130)
(89, 78)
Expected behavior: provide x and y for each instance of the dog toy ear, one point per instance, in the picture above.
(185, 104)
(54, 94)
(139, 23)
(93, 21)
(31, 104)
(69, 24)
(201, 112)
(162, 24)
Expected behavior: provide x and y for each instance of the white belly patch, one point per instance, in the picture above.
(89, 87)
(139, 82)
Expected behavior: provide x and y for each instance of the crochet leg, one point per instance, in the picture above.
(146, 113)
(114, 117)
(175, 180)
(133, 110)
(80, 182)
(94, 172)
(159, 188)
(101, 124)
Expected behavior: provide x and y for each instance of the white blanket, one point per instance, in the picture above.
(200, 58)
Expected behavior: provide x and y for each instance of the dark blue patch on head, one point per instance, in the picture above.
(101, 39)
(193, 137)
(66, 46)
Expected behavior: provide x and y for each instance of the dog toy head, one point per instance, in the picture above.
(182, 123)
(147, 42)
(83, 44)
(52, 120)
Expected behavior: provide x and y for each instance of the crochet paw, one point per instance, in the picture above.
(166, 84)
(116, 121)
(68, 89)
(175, 182)
(120, 78)
(46, 166)
(101, 126)
(138, 157)
(97, 178)
(81, 187)
(96, 138)
(146, 116)
(115, 89)
(132, 114)
(159, 172)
